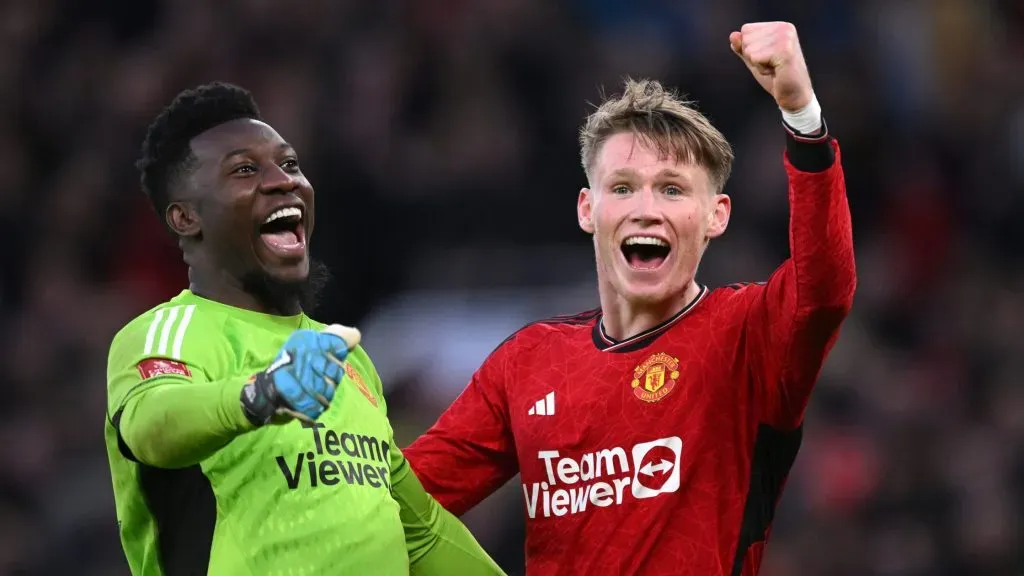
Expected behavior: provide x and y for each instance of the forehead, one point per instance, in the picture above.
(234, 136)
(628, 151)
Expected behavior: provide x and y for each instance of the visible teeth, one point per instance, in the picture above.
(284, 213)
(647, 240)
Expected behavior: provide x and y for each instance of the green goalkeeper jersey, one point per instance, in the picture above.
(289, 500)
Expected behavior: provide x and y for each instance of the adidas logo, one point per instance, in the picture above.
(544, 407)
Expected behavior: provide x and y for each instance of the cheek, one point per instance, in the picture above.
(690, 221)
(700, 216)
(607, 215)
(604, 229)
(691, 228)
(231, 222)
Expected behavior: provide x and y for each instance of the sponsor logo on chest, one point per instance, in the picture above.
(334, 458)
(608, 477)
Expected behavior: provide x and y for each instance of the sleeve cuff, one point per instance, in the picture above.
(233, 415)
(810, 153)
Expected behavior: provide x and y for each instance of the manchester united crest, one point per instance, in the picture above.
(357, 379)
(654, 378)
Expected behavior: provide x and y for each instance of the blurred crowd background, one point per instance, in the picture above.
(441, 138)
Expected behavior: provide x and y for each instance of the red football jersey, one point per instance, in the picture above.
(664, 453)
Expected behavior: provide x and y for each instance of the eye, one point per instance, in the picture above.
(244, 169)
(673, 191)
(620, 189)
(290, 164)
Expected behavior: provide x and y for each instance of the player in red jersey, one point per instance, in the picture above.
(654, 435)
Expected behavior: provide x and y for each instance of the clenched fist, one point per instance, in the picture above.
(771, 50)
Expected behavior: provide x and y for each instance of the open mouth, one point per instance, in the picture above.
(645, 252)
(283, 233)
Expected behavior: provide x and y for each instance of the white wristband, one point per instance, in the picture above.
(807, 120)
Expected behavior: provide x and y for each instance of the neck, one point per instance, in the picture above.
(220, 287)
(623, 319)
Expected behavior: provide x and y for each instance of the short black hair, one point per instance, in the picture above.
(166, 149)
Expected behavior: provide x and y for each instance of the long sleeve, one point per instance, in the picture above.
(470, 452)
(171, 424)
(438, 543)
(169, 398)
(795, 317)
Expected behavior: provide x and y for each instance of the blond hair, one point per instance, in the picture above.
(663, 121)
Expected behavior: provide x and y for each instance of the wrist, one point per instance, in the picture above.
(258, 400)
(805, 121)
(232, 412)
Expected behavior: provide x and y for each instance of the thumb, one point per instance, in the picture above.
(349, 335)
(736, 43)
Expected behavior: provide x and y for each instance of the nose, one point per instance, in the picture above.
(645, 207)
(276, 179)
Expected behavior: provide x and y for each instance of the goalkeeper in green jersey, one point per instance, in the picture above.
(245, 438)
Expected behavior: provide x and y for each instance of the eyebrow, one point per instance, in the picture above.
(664, 173)
(237, 151)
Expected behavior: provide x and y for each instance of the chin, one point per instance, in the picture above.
(295, 274)
(642, 292)
(651, 289)
(648, 296)
(285, 286)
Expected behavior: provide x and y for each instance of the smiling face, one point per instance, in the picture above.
(651, 215)
(246, 205)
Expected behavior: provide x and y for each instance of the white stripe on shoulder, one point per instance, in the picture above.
(165, 333)
(151, 334)
(179, 336)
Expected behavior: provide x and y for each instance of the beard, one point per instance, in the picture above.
(285, 296)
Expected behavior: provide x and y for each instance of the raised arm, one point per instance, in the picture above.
(795, 318)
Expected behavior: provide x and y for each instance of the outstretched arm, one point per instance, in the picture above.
(173, 422)
(168, 399)
(169, 413)
(469, 452)
(438, 543)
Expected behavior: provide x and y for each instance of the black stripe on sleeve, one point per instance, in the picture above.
(122, 446)
(810, 153)
(184, 509)
(774, 453)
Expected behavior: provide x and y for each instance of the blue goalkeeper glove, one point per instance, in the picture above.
(300, 382)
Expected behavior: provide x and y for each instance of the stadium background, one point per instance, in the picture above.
(440, 136)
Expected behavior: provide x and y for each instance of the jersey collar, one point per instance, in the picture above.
(606, 343)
